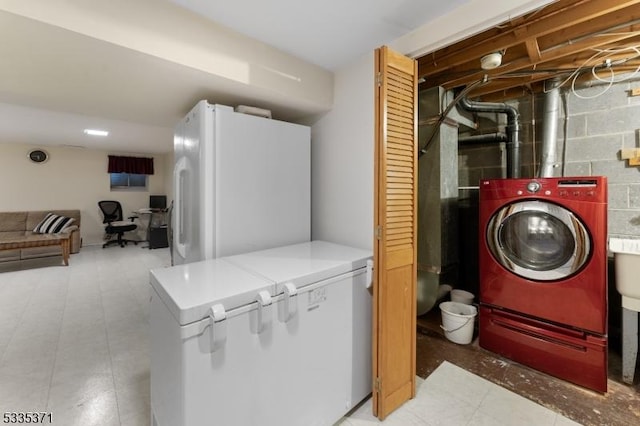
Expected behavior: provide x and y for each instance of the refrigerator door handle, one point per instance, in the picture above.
(261, 316)
(179, 228)
(289, 303)
(218, 317)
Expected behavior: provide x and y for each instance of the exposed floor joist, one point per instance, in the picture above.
(553, 41)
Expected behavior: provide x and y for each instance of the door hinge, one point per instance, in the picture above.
(377, 384)
(379, 79)
(378, 232)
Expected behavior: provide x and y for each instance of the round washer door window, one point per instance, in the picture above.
(538, 240)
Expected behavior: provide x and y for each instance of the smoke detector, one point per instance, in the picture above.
(491, 61)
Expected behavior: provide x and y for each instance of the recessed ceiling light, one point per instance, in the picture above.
(96, 132)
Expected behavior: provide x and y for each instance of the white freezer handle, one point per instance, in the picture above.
(198, 327)
(218, 317)
(289, 302)
(262, 315)
(179, 179)
(369, 276)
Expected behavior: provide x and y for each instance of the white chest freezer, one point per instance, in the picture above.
(231, 346)
(314, 264)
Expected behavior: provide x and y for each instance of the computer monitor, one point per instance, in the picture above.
(158, 202)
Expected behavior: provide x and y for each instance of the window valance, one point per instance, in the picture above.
(132, 165)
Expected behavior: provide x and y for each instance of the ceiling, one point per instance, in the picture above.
(55, 82)
(329, 33)
(568, 40)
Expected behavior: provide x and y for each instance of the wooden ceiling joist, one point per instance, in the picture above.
(550, 41)
(533, 49)
(568, 56)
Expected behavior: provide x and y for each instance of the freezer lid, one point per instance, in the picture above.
(303, 263)
(190, 290)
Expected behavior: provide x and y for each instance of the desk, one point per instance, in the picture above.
(156, 227)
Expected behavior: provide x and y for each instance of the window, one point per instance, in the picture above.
(129, 173)
(128, 181)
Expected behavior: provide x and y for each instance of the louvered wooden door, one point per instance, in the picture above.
(394, 311)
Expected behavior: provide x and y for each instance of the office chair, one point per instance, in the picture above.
(112, 212)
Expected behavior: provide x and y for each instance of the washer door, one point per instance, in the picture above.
(538, 240)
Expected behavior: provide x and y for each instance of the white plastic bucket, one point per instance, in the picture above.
(457, 321)
(461, 296)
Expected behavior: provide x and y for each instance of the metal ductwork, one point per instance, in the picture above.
(549, 160)
(513, 129)
(437, 196)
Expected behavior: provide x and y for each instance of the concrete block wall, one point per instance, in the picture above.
(591, 133)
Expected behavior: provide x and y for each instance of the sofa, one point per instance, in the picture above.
(17, 224)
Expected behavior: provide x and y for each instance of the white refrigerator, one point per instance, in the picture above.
(272, 338)
(241, 183)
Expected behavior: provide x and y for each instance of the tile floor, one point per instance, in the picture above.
(453, 396)
(620, 406)
(74, 342)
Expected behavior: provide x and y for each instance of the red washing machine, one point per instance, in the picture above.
(543, 275)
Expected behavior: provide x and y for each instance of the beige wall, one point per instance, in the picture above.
(72, 178)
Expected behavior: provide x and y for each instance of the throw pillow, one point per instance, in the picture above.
(52, 224)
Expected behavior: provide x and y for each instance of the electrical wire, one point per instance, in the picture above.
(605, 90)
(565, 131)
(602, 56)
(533, 132)
(608, 64)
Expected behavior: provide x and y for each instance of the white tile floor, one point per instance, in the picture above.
(453, 396)
(74, 342)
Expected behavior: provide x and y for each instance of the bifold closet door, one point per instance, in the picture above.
(395, 241)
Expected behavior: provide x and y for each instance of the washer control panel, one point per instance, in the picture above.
(587, 188)
(577, 188)
(574, 188)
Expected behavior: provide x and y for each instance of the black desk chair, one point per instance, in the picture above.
(112, 212)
